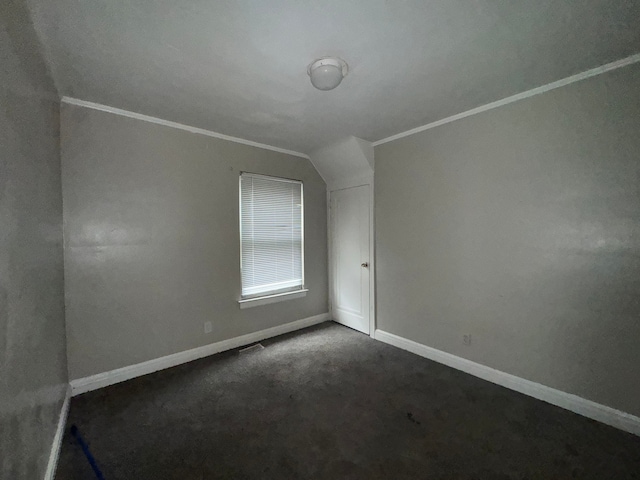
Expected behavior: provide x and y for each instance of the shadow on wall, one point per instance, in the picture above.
(594, 331)
(33, 374)
(28, 73)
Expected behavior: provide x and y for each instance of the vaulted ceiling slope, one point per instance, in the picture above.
(239, 67)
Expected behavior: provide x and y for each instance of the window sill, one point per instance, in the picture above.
(278, 297)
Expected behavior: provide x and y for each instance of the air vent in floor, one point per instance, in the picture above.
(251, 348)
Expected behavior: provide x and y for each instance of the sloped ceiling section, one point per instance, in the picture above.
(344, 162)
(239, 67)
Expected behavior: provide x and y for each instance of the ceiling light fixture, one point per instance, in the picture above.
(326, 73)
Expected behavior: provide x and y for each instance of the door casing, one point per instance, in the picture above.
(368, 182)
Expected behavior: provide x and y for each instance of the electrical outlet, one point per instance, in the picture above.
(466, 339)
(208, 327)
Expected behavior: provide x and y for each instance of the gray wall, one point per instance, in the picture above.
(521, 227)
(152, 242)
(33, 371)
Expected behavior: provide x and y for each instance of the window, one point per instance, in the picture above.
(271, 235)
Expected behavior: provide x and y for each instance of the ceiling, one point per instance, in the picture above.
(238, 67)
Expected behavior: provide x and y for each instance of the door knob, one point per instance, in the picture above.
(365, 264)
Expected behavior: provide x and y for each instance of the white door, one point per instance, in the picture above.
(350, 257)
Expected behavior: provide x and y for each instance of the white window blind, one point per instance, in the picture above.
(271, 235)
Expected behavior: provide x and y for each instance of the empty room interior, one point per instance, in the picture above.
(284, 239)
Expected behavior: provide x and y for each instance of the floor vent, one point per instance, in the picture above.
(251, 348)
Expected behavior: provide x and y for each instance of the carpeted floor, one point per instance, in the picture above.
(330, 403)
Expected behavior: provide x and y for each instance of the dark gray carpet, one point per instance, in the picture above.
(330, 403)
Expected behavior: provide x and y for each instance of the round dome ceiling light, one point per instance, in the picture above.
(327, 73)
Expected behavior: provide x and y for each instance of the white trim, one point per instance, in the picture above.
(302, 236)
(57, 439)
(267, 299)
(372, 262)
(360, 181)
(179, 126)
(601, 413)
(520, 96)
(329, 254)
(357, 181)
(273, 292)
(270, 177)
(93, 382)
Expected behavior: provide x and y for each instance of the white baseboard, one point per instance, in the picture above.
(57, 439)
(93, 382)
(601, 413)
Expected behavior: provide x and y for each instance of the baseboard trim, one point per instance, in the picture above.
(57, 439)
(582, 406)
(100, 380)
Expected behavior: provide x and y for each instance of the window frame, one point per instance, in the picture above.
(276, 295)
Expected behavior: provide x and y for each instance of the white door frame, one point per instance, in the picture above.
(342, 185)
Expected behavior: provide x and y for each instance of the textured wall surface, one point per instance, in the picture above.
(33, 370)
(521, 227)
(152, 240)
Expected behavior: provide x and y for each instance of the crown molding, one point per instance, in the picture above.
(514, 98)
(179, 126)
